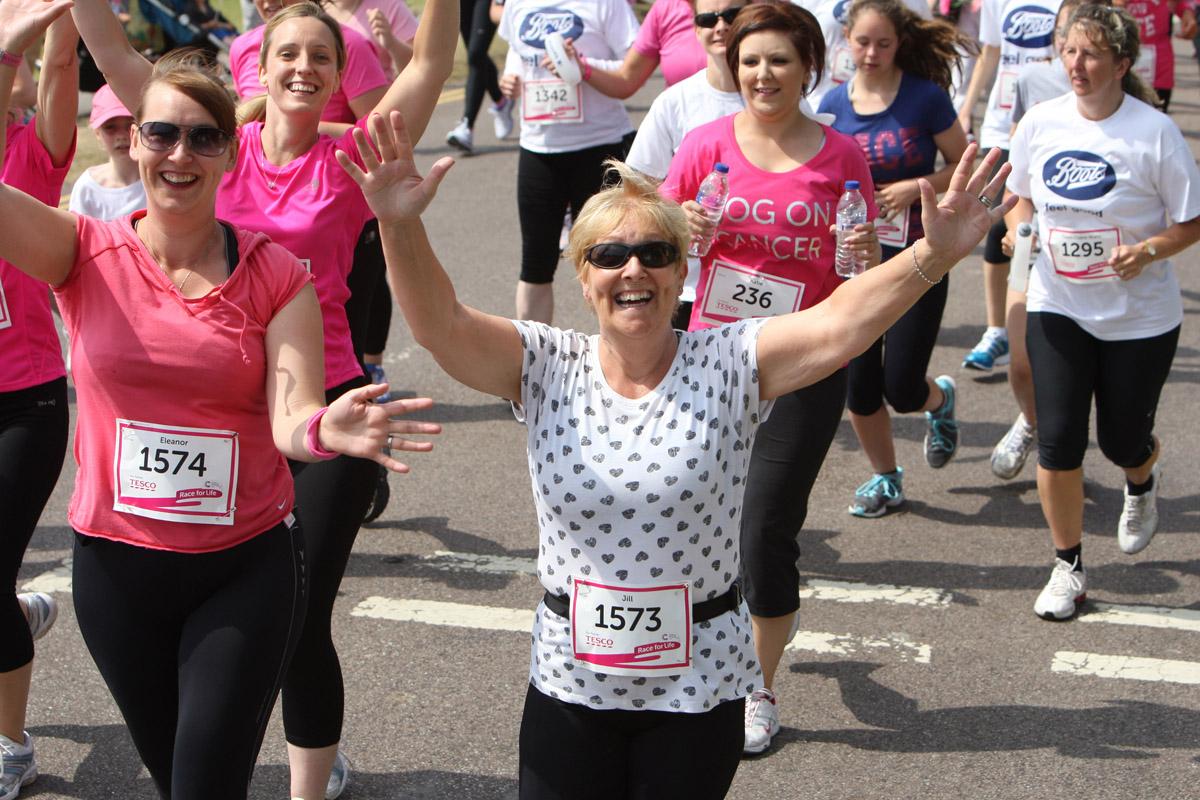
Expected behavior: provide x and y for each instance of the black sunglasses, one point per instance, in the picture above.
(203, 140)
(614, 255)
(709, 18)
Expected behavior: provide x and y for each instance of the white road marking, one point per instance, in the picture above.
(815, 589)
(846, 644)
(1126, 667)
(455, 615)
(1184, 619)
(56, 580)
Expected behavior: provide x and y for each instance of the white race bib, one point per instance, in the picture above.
(176, 474)
(841, 66)
(734, 293)
(893, 232)
(1144, 68)
(632, 630)
(1008, 89)
(1082, 256)
(5, 317)
(551, 102)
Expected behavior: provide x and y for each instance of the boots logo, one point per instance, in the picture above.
(1077, 175)
(549, 20)
(1030, 27)
(839, 11)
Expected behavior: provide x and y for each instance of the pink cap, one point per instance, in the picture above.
(106, 106)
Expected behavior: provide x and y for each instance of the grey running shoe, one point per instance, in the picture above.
(18, 766)
(41, 610)
(339, 776)
(941, 437)
(1010, 453)
(880, 494)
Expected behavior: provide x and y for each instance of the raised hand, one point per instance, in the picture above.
(23, 21)
(393, 187)
(956, 224)
(357, 426)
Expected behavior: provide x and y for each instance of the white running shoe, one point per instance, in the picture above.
(502, 118)
(41, 610)
(1063, 594)
(461, 137)
(762, 721)
(1010, 453)
(1139, 520)
(18, 766)
(339, 776)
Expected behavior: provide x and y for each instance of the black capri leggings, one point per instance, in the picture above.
(33, 441)
(477, 28)
(1126, 377)
(993, 251)
(331, 499)
(547, 184)
(788, 453)
(369, 309)
(193, 647)
(894, 367)
(573, 752)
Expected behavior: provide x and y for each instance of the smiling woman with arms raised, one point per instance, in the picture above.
(638, 448)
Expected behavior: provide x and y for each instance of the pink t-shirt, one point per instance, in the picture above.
(315, 210)
(29, 351)
(361, 75)
(1154, 24)
(667, 33)
(775, 230)
(160, 381)
(400, 19)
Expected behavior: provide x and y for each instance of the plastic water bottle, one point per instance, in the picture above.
(714, 191)
(1018, 268)
(851, 211)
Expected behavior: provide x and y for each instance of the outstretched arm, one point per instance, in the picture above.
(125, 69)
(416, 89)
(477, 349)
(35, 238)
(58, 90)
(799, 349)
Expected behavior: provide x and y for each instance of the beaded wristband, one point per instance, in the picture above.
(312, 439)
(8, 59)
(587, 68)
(919, 271)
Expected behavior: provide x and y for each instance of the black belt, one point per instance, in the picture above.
(701, 612)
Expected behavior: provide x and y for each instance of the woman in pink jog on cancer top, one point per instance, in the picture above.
(286, 182)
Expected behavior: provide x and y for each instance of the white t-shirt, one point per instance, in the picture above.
(93, 200)
(641, 493)
(1095, 184)
(603, 31)
(1024, 32)
(839, 66)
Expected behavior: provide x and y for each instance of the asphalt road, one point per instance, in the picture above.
(921, 670)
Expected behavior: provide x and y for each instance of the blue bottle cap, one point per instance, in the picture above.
(719, 167)
(851, 185)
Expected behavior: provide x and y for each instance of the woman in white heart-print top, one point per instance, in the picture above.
(1104, 307)
(638, 443)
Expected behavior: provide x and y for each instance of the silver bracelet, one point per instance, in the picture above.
(919, 271)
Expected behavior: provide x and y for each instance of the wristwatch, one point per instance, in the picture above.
(8, 59)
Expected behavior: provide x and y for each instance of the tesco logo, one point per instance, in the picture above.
(549, 20)
(1078, 175)
(1030, 27)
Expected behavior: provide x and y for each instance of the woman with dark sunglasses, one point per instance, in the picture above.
(284, 181)
(639, 442)
(33, 385)
(196, 357)
(773, 254)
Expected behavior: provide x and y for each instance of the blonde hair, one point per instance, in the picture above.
(1117, 31)
(630, 195)
(255, 109)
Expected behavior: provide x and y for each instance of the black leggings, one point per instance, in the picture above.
(33, 441)
(475, 24)
(547, 184)
(573, 752)
(788, 453)
(1164, 96)
(193, 647)
(331, 499)
(993, 250)
(1126, 377)
(369, 309)
(894, 367)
